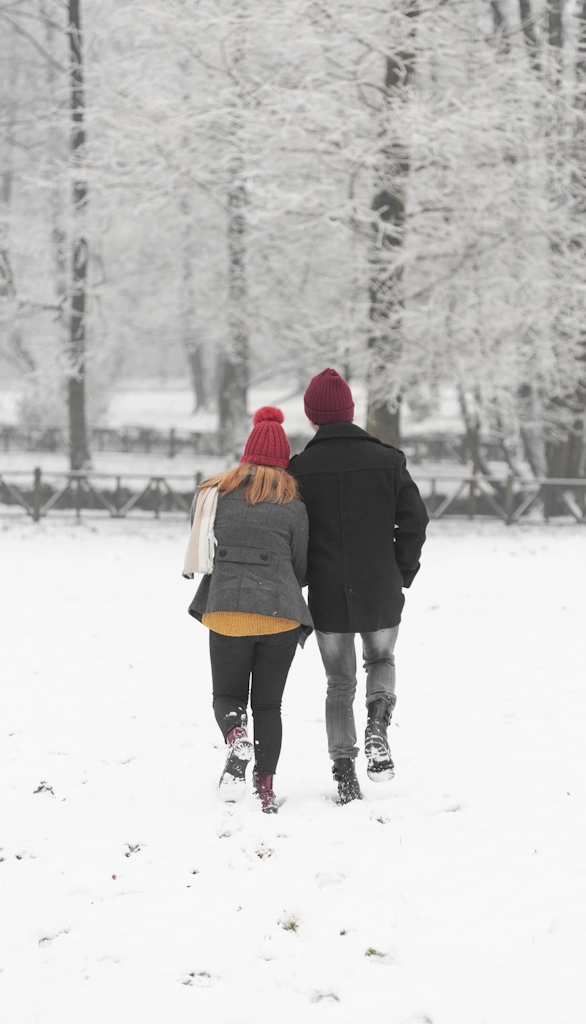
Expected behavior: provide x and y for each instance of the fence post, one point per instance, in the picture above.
(472, 499)
(510, 498)
(171, 442)
(117, 495)
(37, 496)
(78, 500)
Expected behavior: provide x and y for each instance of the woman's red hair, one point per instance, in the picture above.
(263, 483)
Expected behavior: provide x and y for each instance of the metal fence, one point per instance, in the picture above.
(114, 439)
(508, 498)
(129, 440)
(174, 441)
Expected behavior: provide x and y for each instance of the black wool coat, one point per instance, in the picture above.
(366, 528)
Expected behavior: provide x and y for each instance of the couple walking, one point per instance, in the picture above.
(343, 517)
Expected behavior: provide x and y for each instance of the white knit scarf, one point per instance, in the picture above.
(200, 549)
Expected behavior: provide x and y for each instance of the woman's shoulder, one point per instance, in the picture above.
(238, 494)
(298, 511)
(298, 507)
(293, 510)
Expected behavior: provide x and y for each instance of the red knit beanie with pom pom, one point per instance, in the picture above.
(267, 444)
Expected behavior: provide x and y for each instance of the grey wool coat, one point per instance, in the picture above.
(260, 562)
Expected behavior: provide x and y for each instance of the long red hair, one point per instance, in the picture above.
(263, 483)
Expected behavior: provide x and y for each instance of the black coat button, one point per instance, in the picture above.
(264, 557)
(222, 552)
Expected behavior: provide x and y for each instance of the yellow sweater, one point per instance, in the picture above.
(246, 623)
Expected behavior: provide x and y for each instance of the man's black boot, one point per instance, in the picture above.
(344, 772)
(380, 767)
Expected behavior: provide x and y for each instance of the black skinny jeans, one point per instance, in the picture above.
(267, 659)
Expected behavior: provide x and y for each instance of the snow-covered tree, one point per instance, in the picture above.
(396, 189)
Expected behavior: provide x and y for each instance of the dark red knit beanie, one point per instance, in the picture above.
(328, 399)
(267, 444)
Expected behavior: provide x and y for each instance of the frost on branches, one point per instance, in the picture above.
(396, 189)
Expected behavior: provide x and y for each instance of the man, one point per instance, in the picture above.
(366, 530)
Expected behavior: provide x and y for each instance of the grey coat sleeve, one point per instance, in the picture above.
(299, 542)
(411, 520)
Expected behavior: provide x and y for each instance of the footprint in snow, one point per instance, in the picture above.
(47, 939)
(329, 879)
(44, 787)
(324, 997)
(229, 826)
(132, 848)
(199, 979)
(263, 852)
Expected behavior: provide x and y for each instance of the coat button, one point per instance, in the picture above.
(222, 552)
(264, 557)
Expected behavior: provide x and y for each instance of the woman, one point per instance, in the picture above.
(252, 602)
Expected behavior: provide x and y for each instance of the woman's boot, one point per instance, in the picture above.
(380, 767)
(344, 772)
(263, 788)
(233, 778)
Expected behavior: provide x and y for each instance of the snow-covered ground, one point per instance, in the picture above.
(454, 895)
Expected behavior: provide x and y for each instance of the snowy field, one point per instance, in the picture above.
(454, 895)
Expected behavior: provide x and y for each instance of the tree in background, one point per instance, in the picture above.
(278, 185)
(392, 170)
(235, 370)
(31, 154)
(79, 452)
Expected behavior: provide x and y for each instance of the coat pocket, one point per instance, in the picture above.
(242, 555)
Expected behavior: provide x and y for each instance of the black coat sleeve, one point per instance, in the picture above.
(411, 520)
(299, 543)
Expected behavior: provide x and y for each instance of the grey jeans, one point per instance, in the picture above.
(339, 657)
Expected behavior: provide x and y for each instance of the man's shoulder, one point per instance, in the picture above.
(341, 454)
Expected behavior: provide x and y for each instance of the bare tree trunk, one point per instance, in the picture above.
(500, 26)
(565, 453)
(555, 28)
(530, 402)
(79, 452)
(528, 25)
(234, 369)
(13, 346)
(234, 374)
(472, 423)
(192, 335)
(386, 281)
(194, 349)
(58, 233)
(531, 405)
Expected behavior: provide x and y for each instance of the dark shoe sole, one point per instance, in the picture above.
(381, 772)
(232, 783)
